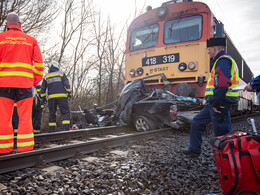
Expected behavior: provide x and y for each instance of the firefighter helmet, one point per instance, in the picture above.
(55, 64)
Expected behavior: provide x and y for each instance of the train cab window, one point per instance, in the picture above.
(183, 29)
(144, 37)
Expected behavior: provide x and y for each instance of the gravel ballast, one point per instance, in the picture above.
(151, 166)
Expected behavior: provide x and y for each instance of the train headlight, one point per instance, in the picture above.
(161, 12)
(132, 72)
(139, 71)
(182, 66)
(192, 65)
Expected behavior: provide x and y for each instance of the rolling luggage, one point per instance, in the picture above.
(237, 158)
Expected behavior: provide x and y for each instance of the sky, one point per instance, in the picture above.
(241, 19)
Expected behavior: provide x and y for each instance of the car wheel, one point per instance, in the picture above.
(143, 124)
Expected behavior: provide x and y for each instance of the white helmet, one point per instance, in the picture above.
(55, 64)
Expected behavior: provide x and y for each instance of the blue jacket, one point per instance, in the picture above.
(57, 84)
(255, 84)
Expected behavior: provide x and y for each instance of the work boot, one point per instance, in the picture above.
(186, 151)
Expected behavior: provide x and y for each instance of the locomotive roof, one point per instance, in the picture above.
(174, 10)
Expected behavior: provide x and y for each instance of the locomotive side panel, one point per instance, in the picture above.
(244, 71)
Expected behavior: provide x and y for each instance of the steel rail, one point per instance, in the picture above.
(61, 135)
(243, 116)
(32, 158)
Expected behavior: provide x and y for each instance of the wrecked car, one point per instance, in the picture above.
(146, 109)
(156, 108)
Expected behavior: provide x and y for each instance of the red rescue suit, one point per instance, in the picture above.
(21, 67)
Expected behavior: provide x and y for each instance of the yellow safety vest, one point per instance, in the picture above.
(231, 95)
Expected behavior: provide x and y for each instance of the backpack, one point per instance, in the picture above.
(237, 158)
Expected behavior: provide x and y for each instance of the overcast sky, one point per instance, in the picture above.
(241, 19)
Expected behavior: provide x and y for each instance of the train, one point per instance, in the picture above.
(171, 40)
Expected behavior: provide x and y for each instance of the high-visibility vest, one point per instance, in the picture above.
(60, 89)
(231, 95)
(21, 61)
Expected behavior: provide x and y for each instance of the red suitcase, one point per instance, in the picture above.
(237, 158)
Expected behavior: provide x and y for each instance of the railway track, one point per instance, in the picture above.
(69, 149)
(243, 116)
(51, 147)
(63, 135)
(155, 165)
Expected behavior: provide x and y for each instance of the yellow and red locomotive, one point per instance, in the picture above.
(172, 39)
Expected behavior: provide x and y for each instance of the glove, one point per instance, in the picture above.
(42, 106)
(69, 96)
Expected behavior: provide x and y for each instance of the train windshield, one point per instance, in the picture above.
(144, 37)
(183, 29)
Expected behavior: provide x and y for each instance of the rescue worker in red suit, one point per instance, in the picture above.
(21, 67)
(37, 109)
(59, 91)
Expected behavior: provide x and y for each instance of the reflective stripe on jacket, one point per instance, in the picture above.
(37, 101)
(21, 61)
(57, 84)
(231, 95)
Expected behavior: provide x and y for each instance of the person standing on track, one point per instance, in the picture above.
(219, 96)
(21, 67)
(59, 91)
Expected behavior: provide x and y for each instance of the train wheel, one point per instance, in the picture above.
(143, 124)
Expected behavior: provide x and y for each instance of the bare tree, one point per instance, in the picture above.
(89, 51)
(69, 28)
(100, 33)
(7, 7)
(72, 46)
(80, 65)
(114, 62)
(36, 15)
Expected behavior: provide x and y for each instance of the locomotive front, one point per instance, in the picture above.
(171, 39)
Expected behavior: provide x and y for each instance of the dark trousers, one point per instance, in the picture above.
(63, 104)
(221, 123)
(36, 119)
(15, 120)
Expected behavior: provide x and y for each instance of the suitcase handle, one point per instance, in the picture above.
(215, 141)
(235, 131)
